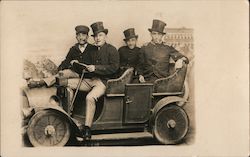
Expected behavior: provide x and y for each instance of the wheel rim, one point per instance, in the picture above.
(171, 125)
(48, 128)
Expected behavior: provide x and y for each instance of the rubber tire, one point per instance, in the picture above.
(167, 135)
(38, 123)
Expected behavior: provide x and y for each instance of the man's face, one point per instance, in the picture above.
(131, 43)
(81, 38)
(100, 38)
(156, 37)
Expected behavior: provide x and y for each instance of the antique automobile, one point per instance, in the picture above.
(51, 119)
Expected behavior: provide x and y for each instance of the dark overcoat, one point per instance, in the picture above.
(154, 60)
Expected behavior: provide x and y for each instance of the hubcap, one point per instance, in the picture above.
(171, 123)
(49, 130)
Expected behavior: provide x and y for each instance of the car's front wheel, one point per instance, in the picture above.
(48, 128)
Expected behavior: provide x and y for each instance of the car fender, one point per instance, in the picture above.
(167, 101)
(38, 97)
(74, 123)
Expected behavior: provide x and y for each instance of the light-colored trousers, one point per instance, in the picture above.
(93, 86)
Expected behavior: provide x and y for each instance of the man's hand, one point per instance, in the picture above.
(141, 79)
(90, 68)
(178, 64)
(74, 61)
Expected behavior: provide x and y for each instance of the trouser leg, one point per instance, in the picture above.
(97, 91)
(67, 73)
(71, 94)
(72, 84)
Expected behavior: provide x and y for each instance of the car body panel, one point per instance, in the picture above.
(137, 104)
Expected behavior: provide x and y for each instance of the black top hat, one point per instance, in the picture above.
(98, 27)
(82, 29)
(158, 26)
(129, 33)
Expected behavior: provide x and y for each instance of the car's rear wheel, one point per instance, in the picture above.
(48, 128)
(171, 124)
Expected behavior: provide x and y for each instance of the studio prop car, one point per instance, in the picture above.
(51, 119)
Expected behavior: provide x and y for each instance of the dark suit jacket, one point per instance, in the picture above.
(75, 54)
(154, 59)
(129, 57)
(106, 61)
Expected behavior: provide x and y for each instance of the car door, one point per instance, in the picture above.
(137, 103)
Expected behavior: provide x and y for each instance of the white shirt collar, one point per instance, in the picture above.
(82, 48)
(155, 43)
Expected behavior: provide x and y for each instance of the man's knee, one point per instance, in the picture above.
(68, 73)
(72, 83)
(91, 98)
(100, 89)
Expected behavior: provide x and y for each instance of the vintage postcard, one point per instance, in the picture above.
(124, 78)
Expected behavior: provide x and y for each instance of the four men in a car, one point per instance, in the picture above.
(102, 61)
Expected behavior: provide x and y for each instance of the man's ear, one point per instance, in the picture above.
(151, 34)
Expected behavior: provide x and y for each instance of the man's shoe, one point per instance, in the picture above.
(36, 83)
(86, 132)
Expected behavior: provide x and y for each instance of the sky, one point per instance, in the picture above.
(48, 28)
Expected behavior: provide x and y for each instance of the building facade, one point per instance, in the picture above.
(181, 39)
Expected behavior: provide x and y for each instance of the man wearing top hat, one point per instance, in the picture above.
(104, 64)
(77, 53)
(129, 54)
(155, 56)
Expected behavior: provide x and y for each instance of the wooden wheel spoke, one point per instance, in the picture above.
(55, 118)
(42, 139)
(39, 132)
(39, 135)
(48, 120)
(51, 142)
(41, 123)
(180, 121)
(61, 131)
(55, 139)
(46, 142)
(58, 124)
(57, 136)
